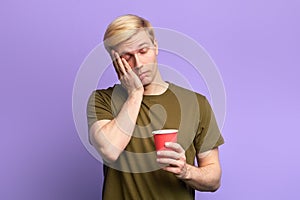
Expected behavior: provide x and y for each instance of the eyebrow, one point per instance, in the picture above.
(140, 45)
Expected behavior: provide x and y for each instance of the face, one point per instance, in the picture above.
(140, 53)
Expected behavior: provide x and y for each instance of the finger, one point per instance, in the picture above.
(126, 65)
(114, 55)
(120, 64)
(114, 59)
(118, 72)
(174, 170)
(168, 161)
(174, 146)
(168, 154)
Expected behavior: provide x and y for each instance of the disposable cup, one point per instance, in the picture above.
(162, 136)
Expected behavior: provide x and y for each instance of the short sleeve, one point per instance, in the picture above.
(208, 135)
(98, 107)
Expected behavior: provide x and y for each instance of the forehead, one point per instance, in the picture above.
(135, 42)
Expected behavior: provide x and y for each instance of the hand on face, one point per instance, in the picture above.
(129, 80)
(174, 159)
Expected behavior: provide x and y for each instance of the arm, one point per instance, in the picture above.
(110, 137)
(205, 177)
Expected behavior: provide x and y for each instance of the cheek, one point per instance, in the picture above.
(151, 58)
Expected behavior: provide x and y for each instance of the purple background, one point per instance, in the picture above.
(255, 44)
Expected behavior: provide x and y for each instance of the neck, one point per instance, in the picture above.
(157, 87)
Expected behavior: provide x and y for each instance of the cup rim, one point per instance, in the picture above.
(164, 131)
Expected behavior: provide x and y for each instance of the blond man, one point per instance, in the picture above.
(122, 117)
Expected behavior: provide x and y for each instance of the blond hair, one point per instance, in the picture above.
(123, 28)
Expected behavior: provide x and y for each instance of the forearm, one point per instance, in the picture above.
(112, 138)
(206, 178)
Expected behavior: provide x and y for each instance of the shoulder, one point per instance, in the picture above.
(187, 93)
(108, 92)
(191, 99)
(105, 91)
(112, 96)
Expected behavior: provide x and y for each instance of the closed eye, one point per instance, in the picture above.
(144, 50)
(128, 56)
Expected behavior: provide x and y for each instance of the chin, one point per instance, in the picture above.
(146, 82)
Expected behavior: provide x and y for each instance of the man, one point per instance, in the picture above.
(121, 119)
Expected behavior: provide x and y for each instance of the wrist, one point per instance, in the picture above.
(187, 176)
(136, 95)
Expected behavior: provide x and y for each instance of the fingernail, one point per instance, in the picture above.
(167, 143)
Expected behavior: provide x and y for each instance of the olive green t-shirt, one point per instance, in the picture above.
(136, 174)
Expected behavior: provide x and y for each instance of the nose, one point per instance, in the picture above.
(137, 61)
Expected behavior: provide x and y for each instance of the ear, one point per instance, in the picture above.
(156, 47)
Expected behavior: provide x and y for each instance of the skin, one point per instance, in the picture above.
(135, 62)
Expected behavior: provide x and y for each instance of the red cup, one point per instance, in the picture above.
(162, 136)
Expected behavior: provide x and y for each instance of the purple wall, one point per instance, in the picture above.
(255, 45)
